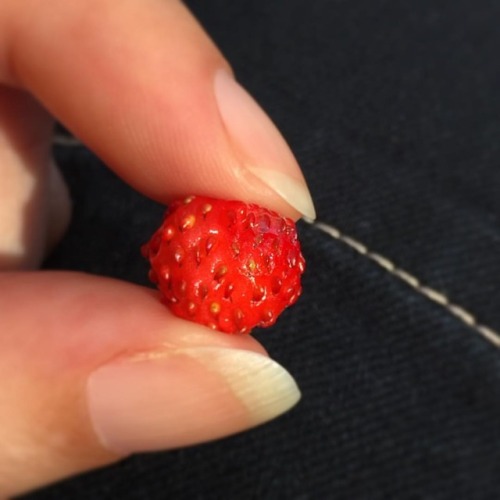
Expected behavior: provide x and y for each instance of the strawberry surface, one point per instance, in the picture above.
(228, 265)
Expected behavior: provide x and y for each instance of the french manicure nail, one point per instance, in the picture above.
(267, 155)
(185, 397)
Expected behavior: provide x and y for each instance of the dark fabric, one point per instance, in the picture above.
(393, 109)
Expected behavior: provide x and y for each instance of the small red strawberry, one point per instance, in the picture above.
(225, 264)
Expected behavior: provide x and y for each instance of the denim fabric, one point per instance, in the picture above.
(393, 109)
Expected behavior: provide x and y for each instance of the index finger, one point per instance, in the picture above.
(144, 87)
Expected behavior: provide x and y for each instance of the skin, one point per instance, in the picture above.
(80, 61)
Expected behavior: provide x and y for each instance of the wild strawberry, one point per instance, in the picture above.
(225, 264)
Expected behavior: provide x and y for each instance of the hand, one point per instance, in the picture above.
(93, 369)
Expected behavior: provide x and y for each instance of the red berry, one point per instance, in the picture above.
(225, 264)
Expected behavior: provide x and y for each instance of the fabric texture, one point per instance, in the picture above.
(393, 110)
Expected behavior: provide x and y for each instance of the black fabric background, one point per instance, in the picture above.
(393, 110)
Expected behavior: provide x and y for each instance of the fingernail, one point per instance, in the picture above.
(185, 397)
(266, 152)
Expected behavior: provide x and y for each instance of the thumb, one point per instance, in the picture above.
(141, 84)
(98, 370)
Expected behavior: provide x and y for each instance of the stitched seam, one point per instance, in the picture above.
(66, 140)
(435, 296)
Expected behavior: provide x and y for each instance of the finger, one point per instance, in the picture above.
(141, 83)
(98, 370)
(34, 204)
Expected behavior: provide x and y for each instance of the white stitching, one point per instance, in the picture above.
(437, 297)
(66, 140)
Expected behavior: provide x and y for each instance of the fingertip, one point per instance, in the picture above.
(179, 398)
(148, 91)
(258, 142)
